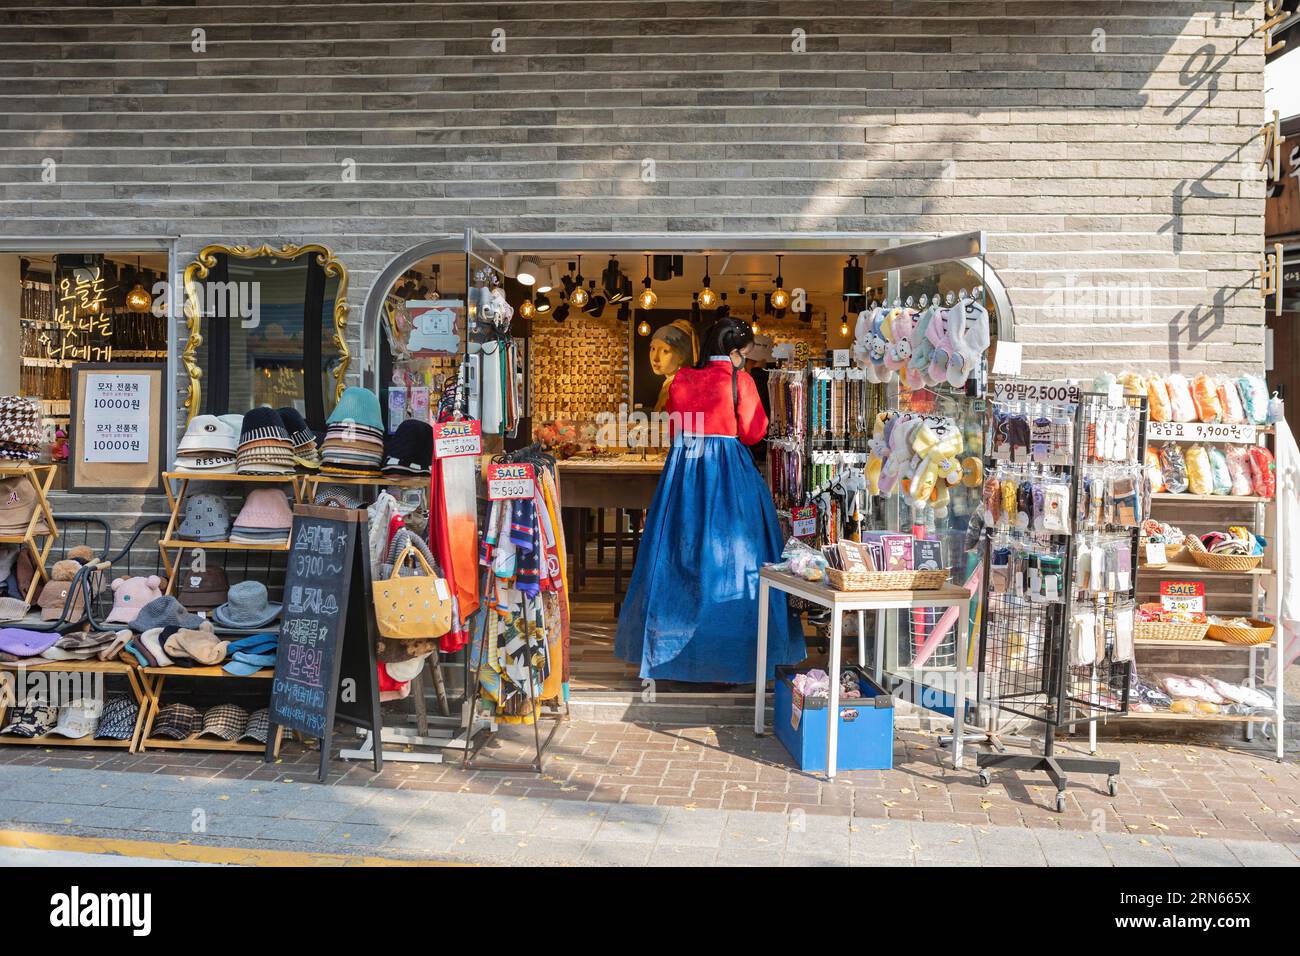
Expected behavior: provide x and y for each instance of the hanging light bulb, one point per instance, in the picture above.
(708, 298)
(753, 320)
(138, 300)
(526, 309)
(643, 328)
(780, 298)
(579, 297)
(647, 298)
(844, 318)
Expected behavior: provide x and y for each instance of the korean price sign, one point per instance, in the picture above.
(509, 481)
(455, 439)
(116, 418)
(803, 521)
(1183, 596)
(1237, 432)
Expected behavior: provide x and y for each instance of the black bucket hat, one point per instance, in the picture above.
(263, 423)
(409, 449)
(300, 432)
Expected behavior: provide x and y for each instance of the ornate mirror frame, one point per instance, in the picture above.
(206, 261)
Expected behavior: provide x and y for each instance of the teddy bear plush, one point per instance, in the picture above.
(899, 351)
(877, 346)
(898, 437)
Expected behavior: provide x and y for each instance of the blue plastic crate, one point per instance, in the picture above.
(866, 731)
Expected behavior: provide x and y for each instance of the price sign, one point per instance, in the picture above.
(1024, 390)
(457, 439)
(1183, 596)
(1240, 433)
(507, 482)
(840, 358)
(803, 521)
(116, 418)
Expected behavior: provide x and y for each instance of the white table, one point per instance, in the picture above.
(838, 602)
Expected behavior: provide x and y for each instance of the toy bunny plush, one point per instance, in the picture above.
(861, 330)
(877, 346)
(939, 332)
(878, 451)
(898, 436)
(899, 351)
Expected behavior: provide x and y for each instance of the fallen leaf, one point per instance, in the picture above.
(1158, 825)
(905, 790)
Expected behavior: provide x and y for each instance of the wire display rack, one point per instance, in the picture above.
(1053, 645)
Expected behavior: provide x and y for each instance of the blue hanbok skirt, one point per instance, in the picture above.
(691, 611)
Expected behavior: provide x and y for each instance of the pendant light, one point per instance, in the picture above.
(579, 297)
(526, 309)
(708, 298)
(853, 279)
(753, 321)
(138, 300)
(647, 299)
(844, 318)
(643, 327)
(780, 298)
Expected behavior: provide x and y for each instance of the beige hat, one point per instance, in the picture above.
(17, 502)
(199, 644)
(54, 597)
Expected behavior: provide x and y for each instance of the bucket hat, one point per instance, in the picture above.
(338, 496)
(209, 433)
(359, 405)
(163, 611)
(207, 518)
(130, 595)
(265, 509)
(300, 432)
(409, 449)
(33, 719)
(247, 607)
(199, 644)
(117, 722)
(177, 721)
(263, 424)
(203, 590)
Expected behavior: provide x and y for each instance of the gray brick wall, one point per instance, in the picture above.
(1112, 169)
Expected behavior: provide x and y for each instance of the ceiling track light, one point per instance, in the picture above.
(647, 298)
(708, 298)
(529, 272)
(542, 304)
(853, 279)
(548, 278)
(780, 298)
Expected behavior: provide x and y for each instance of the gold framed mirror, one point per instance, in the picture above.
(266, 327)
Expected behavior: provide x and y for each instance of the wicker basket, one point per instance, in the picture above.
(1165, 631)
(1222, 562)
(886, 580)
(1258, 632)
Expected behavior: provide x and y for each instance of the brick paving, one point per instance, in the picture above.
(1175, 790)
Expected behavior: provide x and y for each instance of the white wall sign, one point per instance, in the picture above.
(116, 418)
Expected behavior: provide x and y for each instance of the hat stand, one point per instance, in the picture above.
(36, 544)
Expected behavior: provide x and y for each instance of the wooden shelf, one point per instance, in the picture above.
(402, 481)
(1206, 643)
(1210, 499)
(1201, 718)
(214, 670)
(231, 476)
(220, 545)
(1180, 567)
(201, 743)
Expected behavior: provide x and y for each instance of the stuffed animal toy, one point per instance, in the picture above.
(877, 451)
(877, 346)
(938, 332)
(1205, 394)
(898, 434)
(1230, 401)
(1180, 398)
(1219, 472)
(1158, 405)
(899, 351)
(1239, 469)
(860, 331)
(81, 554)
(936, 445)
(64, 570)
(971, 342)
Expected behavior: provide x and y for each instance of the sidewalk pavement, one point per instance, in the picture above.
(473, 827)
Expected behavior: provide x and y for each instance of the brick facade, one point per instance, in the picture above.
(1108, 147)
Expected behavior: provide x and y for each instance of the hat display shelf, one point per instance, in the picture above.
(37, 544)
(172, 547)
(90, 672)
(155, 679)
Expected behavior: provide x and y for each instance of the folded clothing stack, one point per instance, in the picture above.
(306, 453)
(264, 445)
(265, 518)
(354, 436)
(20, 428)
(208, 445)
(409, 450)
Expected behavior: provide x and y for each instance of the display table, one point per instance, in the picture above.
(838, 602)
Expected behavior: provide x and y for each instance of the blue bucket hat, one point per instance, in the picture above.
(359, 405)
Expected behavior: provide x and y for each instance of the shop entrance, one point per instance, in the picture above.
(600, 326)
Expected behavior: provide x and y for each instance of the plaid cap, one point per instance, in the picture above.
(227, 721)
(338, 496)
(118, 720)
(259, 726)
(177, 721)
(33, 719)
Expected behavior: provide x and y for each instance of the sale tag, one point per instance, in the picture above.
(1183, 597)
(803, 521)
(457, 439)
(1156, 552)
(507, 482)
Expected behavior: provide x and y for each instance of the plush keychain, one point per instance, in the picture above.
(972, 342)
(1155, 478)
(1180, 398)
(1263, 478)
(936, 443)
(898, 439)
(1174, 468)
(1230, 402)
(1200, 480)
(899, 351)
(861, 329)
(1158, 404)
(877, 345)
(878, 450)
(941, 346)
(1205, 394)
(1220, 473)
(1254, 398)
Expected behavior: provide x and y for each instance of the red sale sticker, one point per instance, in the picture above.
(457, 439)
(507, 482)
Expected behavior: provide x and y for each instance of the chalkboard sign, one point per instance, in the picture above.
(325, 664)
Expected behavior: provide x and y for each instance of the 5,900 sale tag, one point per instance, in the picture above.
(509, 481)
(455, 439)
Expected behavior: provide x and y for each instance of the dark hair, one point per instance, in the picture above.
(724, 337)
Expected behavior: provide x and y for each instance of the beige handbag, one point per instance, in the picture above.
(414, 607)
